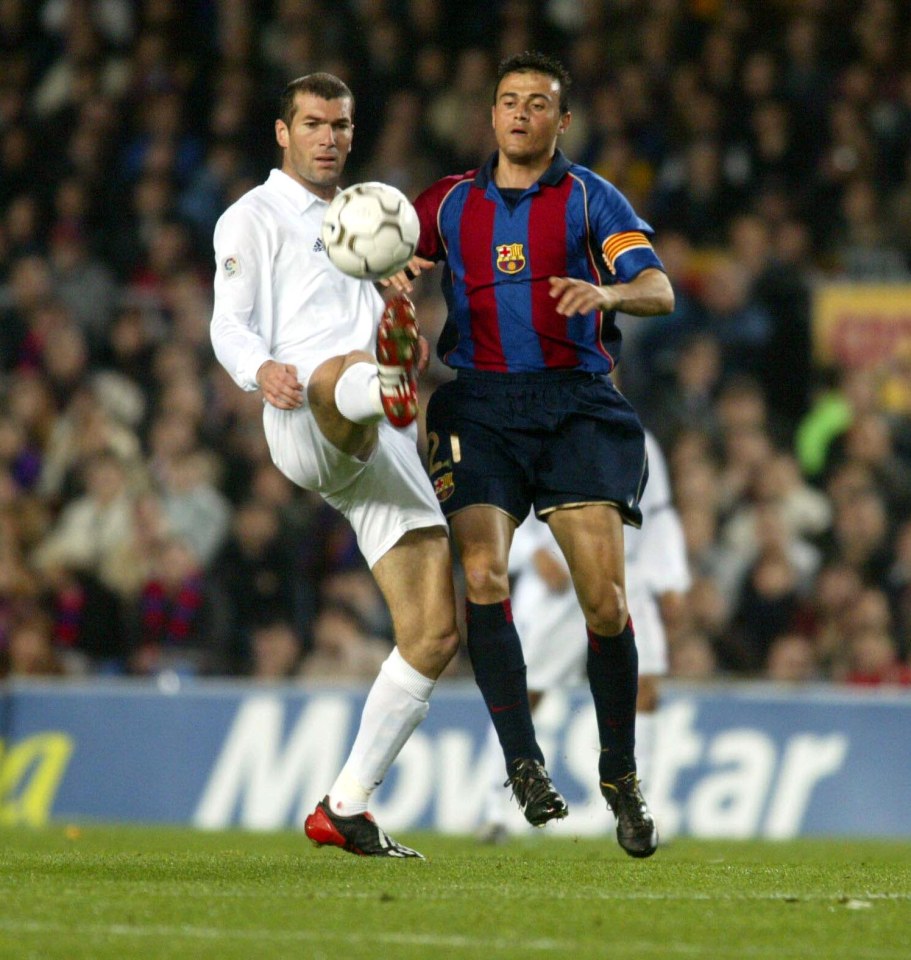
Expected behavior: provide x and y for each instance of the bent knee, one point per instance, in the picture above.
(431, 653)
(610, 614)
(485, 584)
(322, 382)
(447, 646)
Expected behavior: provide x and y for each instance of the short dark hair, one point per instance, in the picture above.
(326, 86)
(531, 61)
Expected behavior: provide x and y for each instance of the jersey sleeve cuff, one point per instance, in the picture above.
(248, 370)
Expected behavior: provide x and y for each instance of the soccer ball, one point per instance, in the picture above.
(370, 231)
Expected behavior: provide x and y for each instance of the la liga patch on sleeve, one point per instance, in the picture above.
(231, 267)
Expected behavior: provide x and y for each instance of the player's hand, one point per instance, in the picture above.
(280, 386)
(401, 281)
(579, 296)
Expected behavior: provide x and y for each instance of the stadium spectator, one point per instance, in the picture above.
(178, 620)
(873, 661)
(30, 649)
(88, 59)
(84, 430)
(697, 199)
(654, 345)
(870, 442)
(28, 399)
(62, 350)
(19, 456)
(84, 284)
(29, 286)
(733, 314)
(89, 624)
(692, 657)
(861, 535)
(806, 511)
(898, 589)
(823, 615)
(863, 248)
(130, 345)
(758, 527)
(765, 607)
(208, 191)
(255, 570)
(343, 646)
(781, 287)
(94, 531)
(20, 586)
(459, 115)
(276, 651)
(194, 508)
(684, 398)
(792, 659)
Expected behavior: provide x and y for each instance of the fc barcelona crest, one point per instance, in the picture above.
(444, 486)
(510, 257)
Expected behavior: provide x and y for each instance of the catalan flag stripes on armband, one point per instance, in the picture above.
(619, 243)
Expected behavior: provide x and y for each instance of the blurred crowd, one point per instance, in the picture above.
(143, 527)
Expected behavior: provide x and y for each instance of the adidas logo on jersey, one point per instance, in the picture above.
(319, 246)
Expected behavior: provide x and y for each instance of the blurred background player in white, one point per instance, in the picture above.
(552, 627)
(290, 324)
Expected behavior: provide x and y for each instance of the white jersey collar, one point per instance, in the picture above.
(296, 193)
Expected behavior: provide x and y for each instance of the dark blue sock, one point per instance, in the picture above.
(499, 671)
(613, 675)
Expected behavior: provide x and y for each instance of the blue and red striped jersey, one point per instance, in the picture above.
(500, 258)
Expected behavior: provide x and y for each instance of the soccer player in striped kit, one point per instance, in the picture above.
(540, 253)
(552, 627)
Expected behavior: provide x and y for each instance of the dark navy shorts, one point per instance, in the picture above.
(542, 440)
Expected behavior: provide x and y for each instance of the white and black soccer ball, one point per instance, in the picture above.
(370, 231)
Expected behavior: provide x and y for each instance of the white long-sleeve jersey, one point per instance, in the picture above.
(277, 295)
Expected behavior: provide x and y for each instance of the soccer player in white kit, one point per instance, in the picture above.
(552, 626)
(288, 323)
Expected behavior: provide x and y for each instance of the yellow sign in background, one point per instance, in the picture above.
(858, 325)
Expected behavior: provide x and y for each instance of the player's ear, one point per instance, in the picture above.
(281, 134)
(565, 121)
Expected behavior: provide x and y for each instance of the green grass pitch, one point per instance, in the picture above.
(140, 892)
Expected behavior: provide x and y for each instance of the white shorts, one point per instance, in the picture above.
(382, 498)
(554, 638)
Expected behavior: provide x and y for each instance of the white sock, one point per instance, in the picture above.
(646, 724)
(493, 767)
(396, 704)
(357, 393)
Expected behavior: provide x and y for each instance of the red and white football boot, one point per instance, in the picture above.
(359, 834)
(397, 358)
